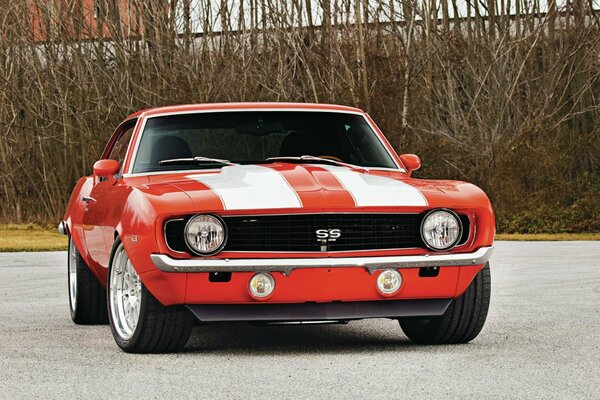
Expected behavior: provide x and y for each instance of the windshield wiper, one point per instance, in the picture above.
(197, 159)
(316, 160)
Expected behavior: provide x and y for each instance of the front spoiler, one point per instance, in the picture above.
(333, 311)
(166, 263)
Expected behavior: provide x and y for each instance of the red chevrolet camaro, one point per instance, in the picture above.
(271, 212)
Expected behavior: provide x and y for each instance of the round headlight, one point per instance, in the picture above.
(261, 285)
(389, 281)
(205, 234)
(441, 229)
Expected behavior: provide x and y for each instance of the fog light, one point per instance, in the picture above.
(389, 281)
(261, 285)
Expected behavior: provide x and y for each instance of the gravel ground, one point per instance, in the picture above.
(541, 340)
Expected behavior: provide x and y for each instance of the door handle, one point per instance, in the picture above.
(88, 199)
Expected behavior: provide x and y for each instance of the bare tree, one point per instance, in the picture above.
(500, 92)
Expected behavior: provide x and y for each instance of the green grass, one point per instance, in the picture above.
(30, 238)
(35, 238)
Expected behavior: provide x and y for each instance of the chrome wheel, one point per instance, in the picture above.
(72, 268)
(125, 293)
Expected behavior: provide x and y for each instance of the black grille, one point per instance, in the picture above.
(297, 232)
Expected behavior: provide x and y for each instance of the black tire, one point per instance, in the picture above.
(159, 329)
(462, 321)
(87, 296)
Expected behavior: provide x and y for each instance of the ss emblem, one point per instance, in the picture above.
(328, 235)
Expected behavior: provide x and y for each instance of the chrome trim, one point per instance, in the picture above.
(460, 230)
(145, 118)
(358, 211)
(191, 248)
(119, 130)
(62, 228)
(322, 252)
(217, 170)
(286, 265)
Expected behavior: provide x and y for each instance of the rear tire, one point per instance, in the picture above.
(139, 323)
(87, 296)
(462, 321)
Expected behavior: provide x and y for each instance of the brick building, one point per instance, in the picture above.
(85, 19)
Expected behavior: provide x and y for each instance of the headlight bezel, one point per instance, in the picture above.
(191, 248)
(458, 236)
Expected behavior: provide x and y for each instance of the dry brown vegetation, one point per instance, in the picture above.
(508, 101)
(30, 238)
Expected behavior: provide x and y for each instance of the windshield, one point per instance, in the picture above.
(252, 137)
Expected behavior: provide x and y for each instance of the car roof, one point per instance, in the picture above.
(242, 106)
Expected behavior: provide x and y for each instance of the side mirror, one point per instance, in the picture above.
(412, 162)
(106, 169)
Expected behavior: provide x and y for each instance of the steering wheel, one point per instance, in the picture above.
(333, 158)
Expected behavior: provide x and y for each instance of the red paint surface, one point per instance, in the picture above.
(135, 207)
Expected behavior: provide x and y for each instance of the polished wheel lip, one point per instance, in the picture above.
(125, 295)
(72, 271)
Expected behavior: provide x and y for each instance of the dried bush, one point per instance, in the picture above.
(506, 100)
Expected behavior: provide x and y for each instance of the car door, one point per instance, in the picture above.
(103, 202)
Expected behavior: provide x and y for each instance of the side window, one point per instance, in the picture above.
(119, 149)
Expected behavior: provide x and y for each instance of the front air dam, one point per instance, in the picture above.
(332, 311)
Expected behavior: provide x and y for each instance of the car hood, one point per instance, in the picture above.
(306, 187)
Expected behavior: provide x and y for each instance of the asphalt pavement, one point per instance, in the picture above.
(541, 340)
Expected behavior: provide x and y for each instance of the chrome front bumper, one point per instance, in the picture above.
(286, 265)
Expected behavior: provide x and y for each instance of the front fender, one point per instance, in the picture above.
(138, 230)
(74, 214)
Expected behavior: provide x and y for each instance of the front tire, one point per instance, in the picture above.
(139, 323)
(87, 296)
(462, 321)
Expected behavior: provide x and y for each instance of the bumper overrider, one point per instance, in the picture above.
(166, 263)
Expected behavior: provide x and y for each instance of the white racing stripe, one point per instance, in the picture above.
(246, 187)
(372, 190)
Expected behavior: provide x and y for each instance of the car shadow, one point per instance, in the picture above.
(300, 339)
